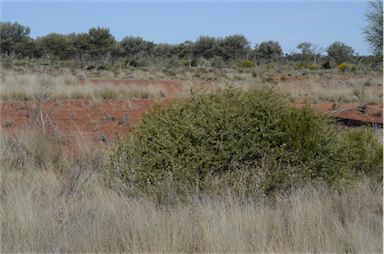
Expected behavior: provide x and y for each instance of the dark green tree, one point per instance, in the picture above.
(136, 46)
(14, 37)
(206, 47)
(374, 30)
(163, 50)
(81, 43)
(56, 45)
(268, 50)
(234, 47)
(101, 42)
(339, 52)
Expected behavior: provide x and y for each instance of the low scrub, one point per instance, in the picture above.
(343, 67)
(246, 64)
(248, 141)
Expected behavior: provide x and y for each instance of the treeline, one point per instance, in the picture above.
(98, 46)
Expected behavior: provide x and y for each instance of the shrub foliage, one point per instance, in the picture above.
(212, 138)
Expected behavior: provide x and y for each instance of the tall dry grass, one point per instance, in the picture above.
(39, 215)
(364, 90)
(56, 203)
(328, 87)
(15, 86)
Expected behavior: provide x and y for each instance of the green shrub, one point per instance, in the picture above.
(314, 67)
(364, 152)
(20, 62)
(217, 140)
(343, 67)
(246, 64)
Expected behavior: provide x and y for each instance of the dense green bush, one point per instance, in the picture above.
(364, 152)
(314, 67)
(245, 140)
(343, 67)
(246, 64)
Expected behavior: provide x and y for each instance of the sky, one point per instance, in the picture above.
(289, 22)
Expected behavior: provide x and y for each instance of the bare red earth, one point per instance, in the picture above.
(351, 114)
(105, 119)
(101, 120)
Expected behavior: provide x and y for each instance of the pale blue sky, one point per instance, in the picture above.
(289, 22)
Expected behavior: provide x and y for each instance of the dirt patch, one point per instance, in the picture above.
(105, 119)
(351, 114)
(101, 120)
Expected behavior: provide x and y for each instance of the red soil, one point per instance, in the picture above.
(101, 120)
(105, 119)
(108, 118)
(351, 113)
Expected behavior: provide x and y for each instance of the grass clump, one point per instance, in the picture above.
(232, 139)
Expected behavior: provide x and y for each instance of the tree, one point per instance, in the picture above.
(13, 37)
(28, 48)
(339, 52)
(374, 30)
(269, 50)
(81, 43)
(309, 51)
(136, 46)
(101, 42)
(163, 50)
(56, 45)
(306, 50)
(234, 47)
(185, 51)
(206, 47)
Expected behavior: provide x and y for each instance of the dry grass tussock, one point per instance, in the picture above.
(61, 204)
(31, 86)
(39, 215)
(364, 91)
(330, 87)
(314, 90)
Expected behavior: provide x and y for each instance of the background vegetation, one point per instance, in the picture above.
(233, 170)
(99, 49)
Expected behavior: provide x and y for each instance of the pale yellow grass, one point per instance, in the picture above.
(330, 87)
(41, 213)
(359, 90)
(31, 86)
(51, 202)
(335, 88)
